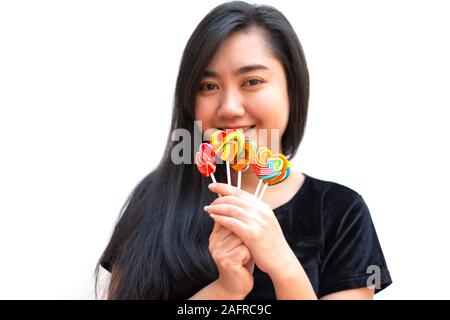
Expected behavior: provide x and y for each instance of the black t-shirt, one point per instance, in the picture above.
(329, 228)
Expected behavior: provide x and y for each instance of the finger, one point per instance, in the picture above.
(247, 255)
(230, 210)
(253, 209)
(226, 190)
(240, 202)
(240, 252)
(220, 234)
(230, 243)
(223, 233)
(236, 226)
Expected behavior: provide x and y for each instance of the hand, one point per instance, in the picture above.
(233, 260)
(253, 221)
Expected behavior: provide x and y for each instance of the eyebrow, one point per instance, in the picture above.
(239, 71)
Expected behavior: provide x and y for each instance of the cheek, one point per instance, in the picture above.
(271, 108)
(204, 111)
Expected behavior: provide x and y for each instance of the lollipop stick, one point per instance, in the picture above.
(228, 174)
(239, 179)
(263, 191)
(258, 187)
(214, 180)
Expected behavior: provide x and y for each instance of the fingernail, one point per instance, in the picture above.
(206, 208)
(213, 215)
(211, 185)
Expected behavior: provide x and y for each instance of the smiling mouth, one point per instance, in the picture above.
(246, 128)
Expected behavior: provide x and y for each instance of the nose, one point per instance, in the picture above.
(231, 106)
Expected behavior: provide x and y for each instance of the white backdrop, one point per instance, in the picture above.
(86, 91)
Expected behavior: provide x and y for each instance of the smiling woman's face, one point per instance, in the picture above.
(245, 87)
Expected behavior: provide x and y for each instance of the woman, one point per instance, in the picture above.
(243, 67)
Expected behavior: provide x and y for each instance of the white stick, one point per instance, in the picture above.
(258, 187)
(263, 191)
(228, 174)
(214, 180)
(239, 179)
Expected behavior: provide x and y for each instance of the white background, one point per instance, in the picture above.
(86, 92)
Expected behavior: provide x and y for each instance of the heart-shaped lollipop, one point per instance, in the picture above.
(260, 166)
(270, 168)
(227, 146)
(280, 164)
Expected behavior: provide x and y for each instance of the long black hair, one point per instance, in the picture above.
(159, 247)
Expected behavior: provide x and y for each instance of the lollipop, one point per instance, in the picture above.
(205, 161)
(246, 159)
(281, 164)
(227, 146)
(282, 169)
(216, 140)
(270, 168)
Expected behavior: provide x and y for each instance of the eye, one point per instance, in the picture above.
(253, 82)
(208, 86)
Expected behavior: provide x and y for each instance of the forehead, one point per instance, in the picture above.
(242, 48)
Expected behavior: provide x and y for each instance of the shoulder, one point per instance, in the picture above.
(330, 191)
(335, 200)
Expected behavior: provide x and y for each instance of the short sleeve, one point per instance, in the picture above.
(352, 256)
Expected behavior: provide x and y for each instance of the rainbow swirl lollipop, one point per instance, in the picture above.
(281, 165)
(216, 141)
(228, 146)
(260, 166)
(270, 168)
